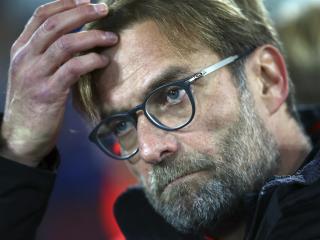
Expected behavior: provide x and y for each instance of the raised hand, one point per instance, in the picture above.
(44, 65)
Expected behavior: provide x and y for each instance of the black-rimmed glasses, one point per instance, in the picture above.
(169, 107)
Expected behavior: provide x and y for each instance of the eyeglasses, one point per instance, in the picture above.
(169, 107)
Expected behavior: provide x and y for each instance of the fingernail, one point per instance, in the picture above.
(79, 2)
(100, 8)
(111, 36)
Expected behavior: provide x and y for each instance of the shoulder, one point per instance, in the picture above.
(288, 206)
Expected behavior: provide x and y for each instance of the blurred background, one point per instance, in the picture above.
(88, 182)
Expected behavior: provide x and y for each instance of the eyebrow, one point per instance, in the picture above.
(171, 74)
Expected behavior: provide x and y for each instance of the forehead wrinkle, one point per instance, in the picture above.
(140, 56)
(134, 83)
(125, 93)
(169, 73)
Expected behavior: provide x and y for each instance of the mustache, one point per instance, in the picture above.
(172, 168)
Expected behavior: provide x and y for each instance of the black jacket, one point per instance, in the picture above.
(24, 194)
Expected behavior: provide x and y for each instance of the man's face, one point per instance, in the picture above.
(199, 174)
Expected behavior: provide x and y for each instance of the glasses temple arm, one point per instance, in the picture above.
(219, 65)
(214, 67)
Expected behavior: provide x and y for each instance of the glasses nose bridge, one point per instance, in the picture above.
(142, 108)
(139, 108)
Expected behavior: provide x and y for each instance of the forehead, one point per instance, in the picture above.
(142, 54)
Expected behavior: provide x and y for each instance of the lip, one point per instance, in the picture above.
(182, 178)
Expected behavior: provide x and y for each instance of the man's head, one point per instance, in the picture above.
(197, 176)
(225, 27)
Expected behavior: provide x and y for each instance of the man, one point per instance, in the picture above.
(193, 96)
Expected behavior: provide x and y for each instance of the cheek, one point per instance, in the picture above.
(217, 105)
(200, 141)
(217, 110)
(219, 115)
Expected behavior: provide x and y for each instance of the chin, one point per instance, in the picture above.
(195, 203)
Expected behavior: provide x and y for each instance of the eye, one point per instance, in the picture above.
(123, 127)
(175, 95)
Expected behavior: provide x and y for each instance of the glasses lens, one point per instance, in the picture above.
(118, 137)
(170, 106)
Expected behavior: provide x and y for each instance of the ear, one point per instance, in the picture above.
(272, 76)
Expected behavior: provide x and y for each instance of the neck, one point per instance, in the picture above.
(294, 148)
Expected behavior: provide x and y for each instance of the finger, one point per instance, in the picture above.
(70, 72)
(63, 23)
(68, 45)
(41, 14)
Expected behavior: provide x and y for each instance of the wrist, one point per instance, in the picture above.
(19, 149)
(49, 161)
(16, 155)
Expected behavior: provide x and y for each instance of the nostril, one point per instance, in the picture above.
(156, 152)
(165, 154)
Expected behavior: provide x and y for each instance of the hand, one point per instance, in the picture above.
(43, 67)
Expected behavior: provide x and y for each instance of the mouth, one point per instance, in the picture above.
(181, 178)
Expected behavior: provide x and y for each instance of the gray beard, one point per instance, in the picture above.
(248, 155)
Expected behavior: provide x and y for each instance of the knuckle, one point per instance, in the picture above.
(50, 24)
(45, 94)
(65, 44)
(40, 12)
(17, 58)
(72, 68)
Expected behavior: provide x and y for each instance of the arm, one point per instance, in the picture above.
(24, 195)
(44, 65)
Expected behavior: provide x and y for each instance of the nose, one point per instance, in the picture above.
(154, 144)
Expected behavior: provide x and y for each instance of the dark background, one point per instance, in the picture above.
(88, 182)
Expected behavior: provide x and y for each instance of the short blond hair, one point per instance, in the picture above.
(227, 27)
